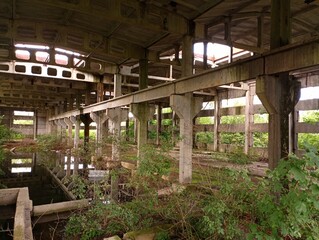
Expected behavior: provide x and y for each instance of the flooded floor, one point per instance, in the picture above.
(27, 170)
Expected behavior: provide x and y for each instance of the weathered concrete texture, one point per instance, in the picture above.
(142, 112)
(186, 107)
(8, 196)
(22, 220)
(69, 124)
(99, 118)
(116, 116)
(279, 96)
(47, 209)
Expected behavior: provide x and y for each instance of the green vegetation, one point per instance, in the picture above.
(227, 205)
(204, 137)
(305, 139)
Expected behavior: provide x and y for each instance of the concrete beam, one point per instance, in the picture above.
(22, 220)
(297, 56)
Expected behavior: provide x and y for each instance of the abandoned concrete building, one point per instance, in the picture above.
(71, 63)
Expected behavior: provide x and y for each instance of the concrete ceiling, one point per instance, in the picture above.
(109, 33)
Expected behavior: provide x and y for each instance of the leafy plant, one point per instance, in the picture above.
(291, 209)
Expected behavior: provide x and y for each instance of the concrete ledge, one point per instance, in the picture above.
(8, 196)
(47, 209)
(22, 220)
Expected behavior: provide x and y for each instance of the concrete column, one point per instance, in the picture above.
(69, 123)
(143, 113)
(159, 124)
(85, 118)
(99, 118)
(187, 56)
(249, 118)
(116, 116)
(186, 107)
(280, 24)
(279, 95)
(68, 165)
(76, 120)
(217, 106)
(63, 128)
(117, 85)
(143, 74)
(78, 101)
(35, 124)
(100, 90)
(260, 33)
(205, 65)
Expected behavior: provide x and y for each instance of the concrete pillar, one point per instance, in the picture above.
(186, 107)
(85, 118)
(143, 113)
(187, 56)
(63, 128)
(249, 118)
(76, 120)
(68, 165)
(143, 74)
(100, 90)
(280, 23)
(116, 116)
(99, 118)
(159, 123)
(279, 95)
(293, 135)
(205, 65)
(78, 101)
(35, 124)
(217, 106)
(69, 124)
(117, 85)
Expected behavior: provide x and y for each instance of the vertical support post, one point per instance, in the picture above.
(142, 112)
(69, 124)
(99, 118)
(76, 120)
(187, 56)
(260, 33)
(143, 74)
(116, 116)
(217, 106)
(249, 118)
(279, 94)
(159, 123)
(205, 65)
(35, 124)
(228, 38)
(186, 107)
(100, 90)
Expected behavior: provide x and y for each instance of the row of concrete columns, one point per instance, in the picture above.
(279, 94)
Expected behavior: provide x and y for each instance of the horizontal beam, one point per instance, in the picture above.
(286, 59)
(46, 71)
(30, 80)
